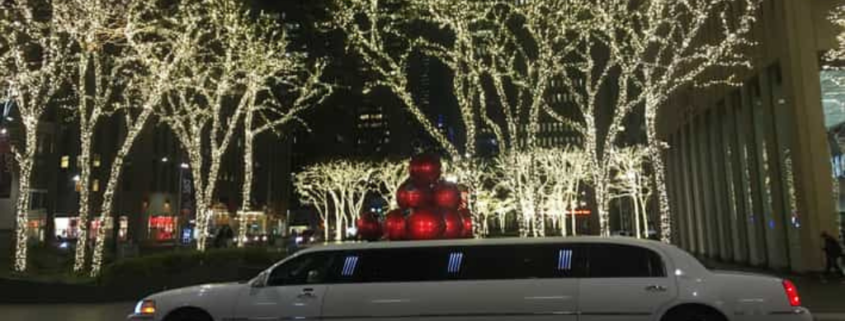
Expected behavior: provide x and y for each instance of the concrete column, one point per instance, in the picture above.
(770, 170)
(680, 210)
(783, 134)
(728, 142)
(705, 189)
(697, 193)
(741, 187)
(756, 232)
(811, 155)
(687, 170)
(719, 189)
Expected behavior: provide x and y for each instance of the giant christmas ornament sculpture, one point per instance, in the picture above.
(413, 195)
(434, 205)
(425, 224)
(447, 195)
(425, 169)
(466, 218)
(454, 224)
(369, 228)
(394, 225)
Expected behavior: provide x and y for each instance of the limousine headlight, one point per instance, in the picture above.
(145, 307)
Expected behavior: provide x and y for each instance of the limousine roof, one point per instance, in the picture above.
(682, 261)
(482, 242)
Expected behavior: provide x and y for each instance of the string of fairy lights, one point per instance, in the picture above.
(657, 47)
(503, 77)
(32, 82)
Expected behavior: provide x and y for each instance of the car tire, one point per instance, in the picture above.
(188, 315)
(693, 314)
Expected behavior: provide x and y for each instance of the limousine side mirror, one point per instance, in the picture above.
(260, 281)
(314, 276)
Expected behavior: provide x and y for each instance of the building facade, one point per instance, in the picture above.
(749, 169)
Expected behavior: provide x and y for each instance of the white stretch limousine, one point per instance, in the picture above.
(583, 279)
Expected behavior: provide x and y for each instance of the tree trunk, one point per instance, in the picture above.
(656, 157)
(84, 185)
(25, 163)
(249, 151)
(112, 185)
(602, 204)
(246, 191)
(637, 224)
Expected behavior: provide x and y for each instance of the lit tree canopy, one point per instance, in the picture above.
(379, 32)
(102, 68)
(631, 180)
(269, 64)
(388, 177)
(155, 53)
(215, 87)
(837, 17)
(340, 185)
(668, 46)
(33, 60)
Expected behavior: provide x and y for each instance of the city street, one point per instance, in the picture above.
(69, 312)
(118, 311)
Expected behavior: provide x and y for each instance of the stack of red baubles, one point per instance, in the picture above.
(429, 208)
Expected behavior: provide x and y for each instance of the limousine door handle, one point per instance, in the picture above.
(306, 294)
(656, 288)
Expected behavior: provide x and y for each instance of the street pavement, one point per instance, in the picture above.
(118, 312)
(66, 312)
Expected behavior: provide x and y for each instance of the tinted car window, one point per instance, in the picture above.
(621, 261)
(392, 265)
(311, 268)
(521, 262)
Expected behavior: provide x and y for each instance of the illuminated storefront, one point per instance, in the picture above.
(162, 228)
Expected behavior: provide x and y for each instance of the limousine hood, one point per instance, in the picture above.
(193, 294)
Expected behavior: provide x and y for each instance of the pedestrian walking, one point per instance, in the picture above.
(832, 252)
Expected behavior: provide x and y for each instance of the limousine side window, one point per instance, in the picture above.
(460, 263)
(392, 265)
(622, 261)
(311, 268)
(521, 262)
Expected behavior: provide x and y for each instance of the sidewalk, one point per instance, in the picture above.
(824, 297)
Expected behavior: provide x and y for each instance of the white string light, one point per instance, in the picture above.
(668, 46)
(30, 82)
(631, 181)
(343, 184)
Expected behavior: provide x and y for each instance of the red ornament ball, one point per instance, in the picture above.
(412, 195)
(425, 224)
(454, 224)
(425, 168)
(447, 195)
(466, 218)
(369, 228)
(394, 225)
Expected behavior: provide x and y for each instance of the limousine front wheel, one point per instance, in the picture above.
(188, 314)
(693, 313)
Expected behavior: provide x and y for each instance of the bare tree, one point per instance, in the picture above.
(566, 171)
(312, 189)
(101, 60)
(631, 180)
(33, 58)
(269, 62)
(210, 101)
(346, 183)
(156, 54)
(378, 31)
(669, 46)
(388, 177)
